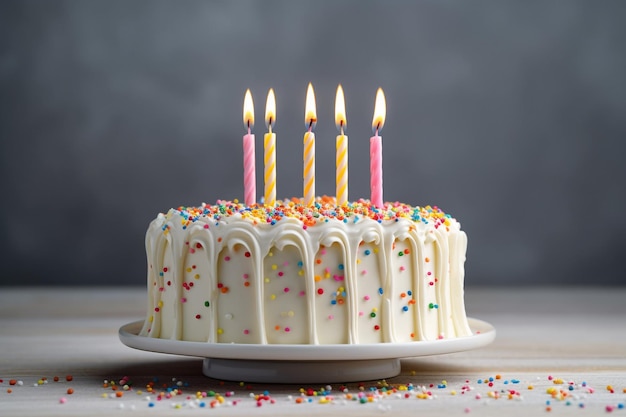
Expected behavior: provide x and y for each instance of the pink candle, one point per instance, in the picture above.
(376, 170)
(249, 175)
(376, 151)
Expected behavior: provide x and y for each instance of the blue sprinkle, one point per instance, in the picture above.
(340, 267)
(150, 404)
(380, 291)
(202, 404)
(367, 252)
(405, 308)
(571, 388)
(409, 292)
(333, 302)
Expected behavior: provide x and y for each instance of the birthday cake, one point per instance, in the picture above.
(291, 273)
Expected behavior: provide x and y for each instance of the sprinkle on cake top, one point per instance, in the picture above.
(322, 211)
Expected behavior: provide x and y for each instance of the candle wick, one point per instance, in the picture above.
(310, 125)
(377, 127)
(248, 127)
(270, 126)
(341, 128)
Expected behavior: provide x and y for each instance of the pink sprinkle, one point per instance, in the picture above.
(246, 331)
(364, 272)
(331, 317)
(323, 251)
(281, 273)
(286, 289)
(206, 226)
(360, 313)
(366, 298)
(227, 258)
(245, 276)
(609, 408)
(467, 409)
(402, 268)
(286, 263)
(287, 329)
(301, 293)
(192, 250)
(429, 273)
(62, 400)
(183, 300)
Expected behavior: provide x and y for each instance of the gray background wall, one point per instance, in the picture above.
(508, 114)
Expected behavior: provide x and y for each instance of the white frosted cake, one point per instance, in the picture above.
(292, 274)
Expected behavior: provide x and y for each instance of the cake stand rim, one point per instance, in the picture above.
(483, 333)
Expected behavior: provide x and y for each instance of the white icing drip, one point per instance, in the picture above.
(247, 314)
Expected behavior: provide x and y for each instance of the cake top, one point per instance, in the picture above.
(322, 211)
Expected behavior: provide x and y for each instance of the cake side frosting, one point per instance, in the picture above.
(289, 273)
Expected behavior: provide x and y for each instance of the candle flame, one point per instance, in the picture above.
(310, 112)
(248, 110)
(340, 110)
(270, 110)
(380, 111)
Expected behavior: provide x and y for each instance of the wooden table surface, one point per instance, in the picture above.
(557, 350)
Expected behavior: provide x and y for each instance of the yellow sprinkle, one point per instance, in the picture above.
(273, 297)
(220, 331)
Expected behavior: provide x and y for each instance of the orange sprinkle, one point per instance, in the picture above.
(70, 391)
(69, 378)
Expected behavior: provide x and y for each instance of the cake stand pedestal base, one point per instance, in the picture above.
(300, 372)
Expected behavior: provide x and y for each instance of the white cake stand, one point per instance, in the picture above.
(305, 363)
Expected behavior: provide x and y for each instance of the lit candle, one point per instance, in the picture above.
(269, 148)
(249, 176)
(341, 153)
(376, 150)
(310, 119)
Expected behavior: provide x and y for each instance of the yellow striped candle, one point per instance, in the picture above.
(310, 119)
(341, 156)
(269, 148)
